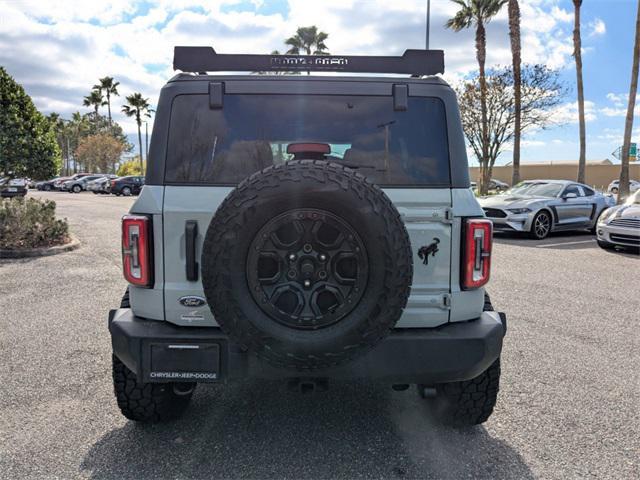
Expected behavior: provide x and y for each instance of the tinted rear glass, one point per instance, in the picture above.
(251, 132)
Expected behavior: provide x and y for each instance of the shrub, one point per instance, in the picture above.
(30, 223)
(130, 167)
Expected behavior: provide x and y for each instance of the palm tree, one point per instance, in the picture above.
(577, 54)
(95, 100)
(308, 40)
(514, 36)
(137, 106)
(76, 128)
(478, 13)
(109, 87)
(623, 191)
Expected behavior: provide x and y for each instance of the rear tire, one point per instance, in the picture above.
(470, 402)
(126, 191)
(147, 402)
(76, 189)
(47, 188)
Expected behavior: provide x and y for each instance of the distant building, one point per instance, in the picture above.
(606, 161)
(599, 173)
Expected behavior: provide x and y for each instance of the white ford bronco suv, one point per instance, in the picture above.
(307, 229)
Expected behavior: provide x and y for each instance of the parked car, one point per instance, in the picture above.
(60, 182)
(100, 185)
(498, 185)
(13, 187)
(539, 207)
(78, 185)
(620, 225)
(495, 185)
(243, 266)
(47, 185)
(127, 185)
(614, 186)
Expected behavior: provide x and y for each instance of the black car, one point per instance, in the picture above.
(13, 187)
(127, 185)
(47, 185)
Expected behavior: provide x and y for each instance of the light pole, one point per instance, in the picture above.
(146, 140)
(428, 23)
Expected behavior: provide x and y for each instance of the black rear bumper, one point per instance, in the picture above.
(159, 351)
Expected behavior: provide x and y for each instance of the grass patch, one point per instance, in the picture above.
(30, 223)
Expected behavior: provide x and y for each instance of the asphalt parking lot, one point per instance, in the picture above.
(568, 406)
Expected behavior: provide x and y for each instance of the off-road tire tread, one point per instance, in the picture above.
(471, 402)
(230, 218)
(144, 402)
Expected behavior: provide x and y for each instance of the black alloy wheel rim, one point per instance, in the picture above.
(307, 268)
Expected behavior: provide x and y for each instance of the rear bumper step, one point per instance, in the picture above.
(158, 351)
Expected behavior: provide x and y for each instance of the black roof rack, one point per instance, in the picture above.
(205, 59)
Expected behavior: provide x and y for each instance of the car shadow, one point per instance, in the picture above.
(629, 252)
(570, 240)
(261, 430)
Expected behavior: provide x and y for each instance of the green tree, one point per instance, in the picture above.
(137, 107)
(70, 132)
(309, 41)
(516, 55)
(28, 145)
(131, 167)
(61, 134)
(109, 87)
(78, 127)
(100, 124)
(95, 99)
(577, 55)
(478, 13)
(628, 124)
(99, 153)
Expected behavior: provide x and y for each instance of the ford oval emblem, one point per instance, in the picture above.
(192, 301)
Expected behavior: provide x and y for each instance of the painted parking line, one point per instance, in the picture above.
(548, 245)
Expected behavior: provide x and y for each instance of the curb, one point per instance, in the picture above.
(41, 251)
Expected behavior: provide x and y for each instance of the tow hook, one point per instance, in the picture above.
(183, 389)
(308, 385)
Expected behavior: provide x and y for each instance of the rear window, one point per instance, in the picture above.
(251, 132)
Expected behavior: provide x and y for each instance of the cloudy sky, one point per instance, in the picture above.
(58, 49)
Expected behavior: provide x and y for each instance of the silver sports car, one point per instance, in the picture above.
(539, 207)
(620, 225)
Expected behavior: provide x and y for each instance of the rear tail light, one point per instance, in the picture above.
(113, 183)
(476, 266)
(137, 260)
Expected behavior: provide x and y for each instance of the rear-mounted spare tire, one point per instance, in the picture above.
(307, 264)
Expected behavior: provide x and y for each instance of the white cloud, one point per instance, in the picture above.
(58, 49)
(619, 105)
(596, 28)
(567, 113)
